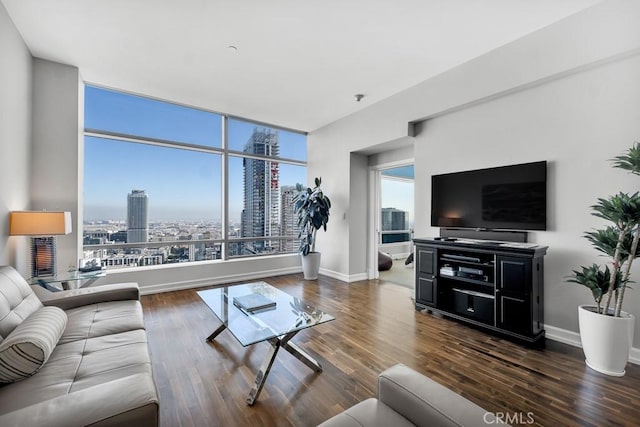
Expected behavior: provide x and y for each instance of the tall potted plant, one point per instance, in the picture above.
(605, 330)
(312, 208)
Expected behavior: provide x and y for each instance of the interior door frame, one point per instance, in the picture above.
(375, 189)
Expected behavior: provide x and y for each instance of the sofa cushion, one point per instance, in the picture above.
(30, 344)
(107, 318)
(75, 368)
(17, 300)
(78, 365)
(98, 381)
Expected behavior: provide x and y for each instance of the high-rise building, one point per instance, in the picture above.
(288, 219)
(394, 219)
(261, 213)
(137, 222)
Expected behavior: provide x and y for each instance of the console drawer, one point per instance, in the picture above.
(475, 305)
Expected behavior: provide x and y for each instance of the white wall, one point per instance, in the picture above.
(334, 171)
(567, 90)
(395, 156)
(189, 275)
(56, 157)
(358, 214)
(15, 139)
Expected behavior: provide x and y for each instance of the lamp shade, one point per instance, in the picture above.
(39, 223)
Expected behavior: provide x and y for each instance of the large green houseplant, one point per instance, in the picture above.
(605, 330)
(312, 207)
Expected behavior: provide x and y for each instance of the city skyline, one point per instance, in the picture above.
(181, 184)
(395, 194)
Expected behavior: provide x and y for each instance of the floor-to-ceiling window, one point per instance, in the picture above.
(166, 183)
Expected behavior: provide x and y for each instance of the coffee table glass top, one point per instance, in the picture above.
(289, 314)
(68, 280)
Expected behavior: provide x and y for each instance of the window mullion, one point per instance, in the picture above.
(225, 187)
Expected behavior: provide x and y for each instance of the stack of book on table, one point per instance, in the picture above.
(253, 302)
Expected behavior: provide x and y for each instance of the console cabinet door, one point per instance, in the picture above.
(426, 282)
(513, 313)
(426, 260)
(426, 290)
(514, 274)
(513, 294)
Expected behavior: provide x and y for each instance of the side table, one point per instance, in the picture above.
(67, 280)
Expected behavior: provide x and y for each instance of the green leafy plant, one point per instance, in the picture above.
(596, 280)
(618, 241)
(312, 207)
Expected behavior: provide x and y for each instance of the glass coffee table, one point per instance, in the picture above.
(275, 324)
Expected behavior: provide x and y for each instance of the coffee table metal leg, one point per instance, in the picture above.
(216, 332)
(302, 356)
(264, 371)
(275, 344)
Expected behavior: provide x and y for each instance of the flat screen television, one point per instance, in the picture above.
(502, 198)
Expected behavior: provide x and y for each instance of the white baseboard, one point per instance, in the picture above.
(563, 336)
(344, 277)
(357, 277)
(573, 339)
(218, 280)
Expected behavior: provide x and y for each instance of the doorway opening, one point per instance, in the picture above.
(394, 222)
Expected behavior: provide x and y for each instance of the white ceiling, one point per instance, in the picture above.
(298, 63)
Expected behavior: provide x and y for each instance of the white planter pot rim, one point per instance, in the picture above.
(594, 309)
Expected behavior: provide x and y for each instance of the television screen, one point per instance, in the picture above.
(503, 198)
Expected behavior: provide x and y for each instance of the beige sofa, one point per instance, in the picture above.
(79, 359)
(408, 398)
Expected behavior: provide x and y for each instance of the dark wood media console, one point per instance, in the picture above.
(495, 285)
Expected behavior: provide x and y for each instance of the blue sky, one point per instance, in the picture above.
(181, 184)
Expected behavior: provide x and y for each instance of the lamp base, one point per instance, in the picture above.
(43, 256)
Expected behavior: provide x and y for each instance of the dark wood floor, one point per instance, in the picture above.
(376, 326)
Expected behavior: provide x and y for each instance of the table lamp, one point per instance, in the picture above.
(43, 226)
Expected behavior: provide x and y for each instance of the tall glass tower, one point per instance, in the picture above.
(137, 223)
(395, 219)
(289, 221)
(261, 213)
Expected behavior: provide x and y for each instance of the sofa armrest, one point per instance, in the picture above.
(426, 402)
(91, 295)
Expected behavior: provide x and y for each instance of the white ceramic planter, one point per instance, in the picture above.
(606, 340)
(311, 265)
